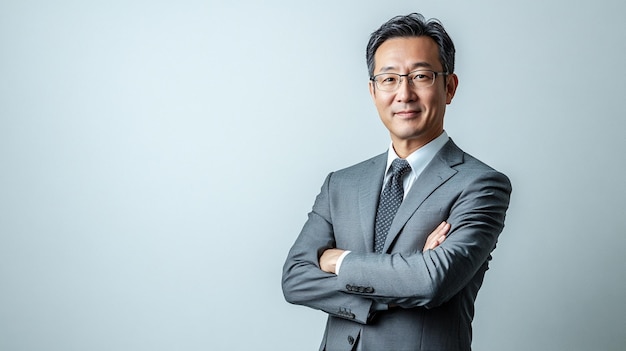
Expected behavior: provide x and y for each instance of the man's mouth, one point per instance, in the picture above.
(407, 113)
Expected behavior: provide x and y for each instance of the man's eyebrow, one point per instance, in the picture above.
(414, 66)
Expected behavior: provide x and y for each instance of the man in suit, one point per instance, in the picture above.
(396, 247)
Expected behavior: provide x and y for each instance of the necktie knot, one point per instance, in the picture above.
(399, 167)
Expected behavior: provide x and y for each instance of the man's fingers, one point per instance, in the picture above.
(437, 236)
(441, 226)
(440, 240)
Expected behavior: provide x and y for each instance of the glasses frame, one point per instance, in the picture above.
(401, 76)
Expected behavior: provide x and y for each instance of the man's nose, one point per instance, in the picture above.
(406, 90)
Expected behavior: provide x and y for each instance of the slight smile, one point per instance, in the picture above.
(407, 114)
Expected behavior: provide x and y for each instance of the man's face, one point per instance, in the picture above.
(413, 116)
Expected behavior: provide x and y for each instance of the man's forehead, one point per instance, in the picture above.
(407, 53)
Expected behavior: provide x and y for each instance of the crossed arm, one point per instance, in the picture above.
(328, 260)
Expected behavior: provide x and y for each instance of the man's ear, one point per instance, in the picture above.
(372, 90)
(452, 82)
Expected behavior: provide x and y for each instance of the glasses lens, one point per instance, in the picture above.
(387, 81)
(422, 79)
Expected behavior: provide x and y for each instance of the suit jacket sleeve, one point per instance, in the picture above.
(477, 213)
(303, 281)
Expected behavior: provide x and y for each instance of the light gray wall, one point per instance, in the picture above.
(158, 159)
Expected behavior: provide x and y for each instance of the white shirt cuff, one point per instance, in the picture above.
(340, 260)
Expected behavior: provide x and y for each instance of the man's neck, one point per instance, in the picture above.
(404, 148)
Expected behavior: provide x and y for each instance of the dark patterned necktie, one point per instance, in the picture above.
(390, 200)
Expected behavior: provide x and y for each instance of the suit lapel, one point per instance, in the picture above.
(370, 185)
(438, 171)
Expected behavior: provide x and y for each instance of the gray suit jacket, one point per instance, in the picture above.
(432, 293)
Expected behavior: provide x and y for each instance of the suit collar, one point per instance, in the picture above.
(436, 173)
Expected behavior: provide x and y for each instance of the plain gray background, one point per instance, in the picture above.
(158, 159)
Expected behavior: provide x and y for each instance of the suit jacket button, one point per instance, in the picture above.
(349, 287)
(369, 290)
(350, 339)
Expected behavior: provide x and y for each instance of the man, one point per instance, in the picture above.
(396, 247)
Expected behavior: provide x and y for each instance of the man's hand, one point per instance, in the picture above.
(328, 260)
(437, 236)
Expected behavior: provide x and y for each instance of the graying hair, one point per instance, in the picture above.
(412, 25)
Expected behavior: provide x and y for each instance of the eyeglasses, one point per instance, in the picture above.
(420, 79)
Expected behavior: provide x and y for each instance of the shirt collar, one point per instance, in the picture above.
(421, 157)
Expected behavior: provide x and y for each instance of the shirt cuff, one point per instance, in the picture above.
(339, 261)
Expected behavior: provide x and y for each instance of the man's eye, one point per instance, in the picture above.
(388, 80)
